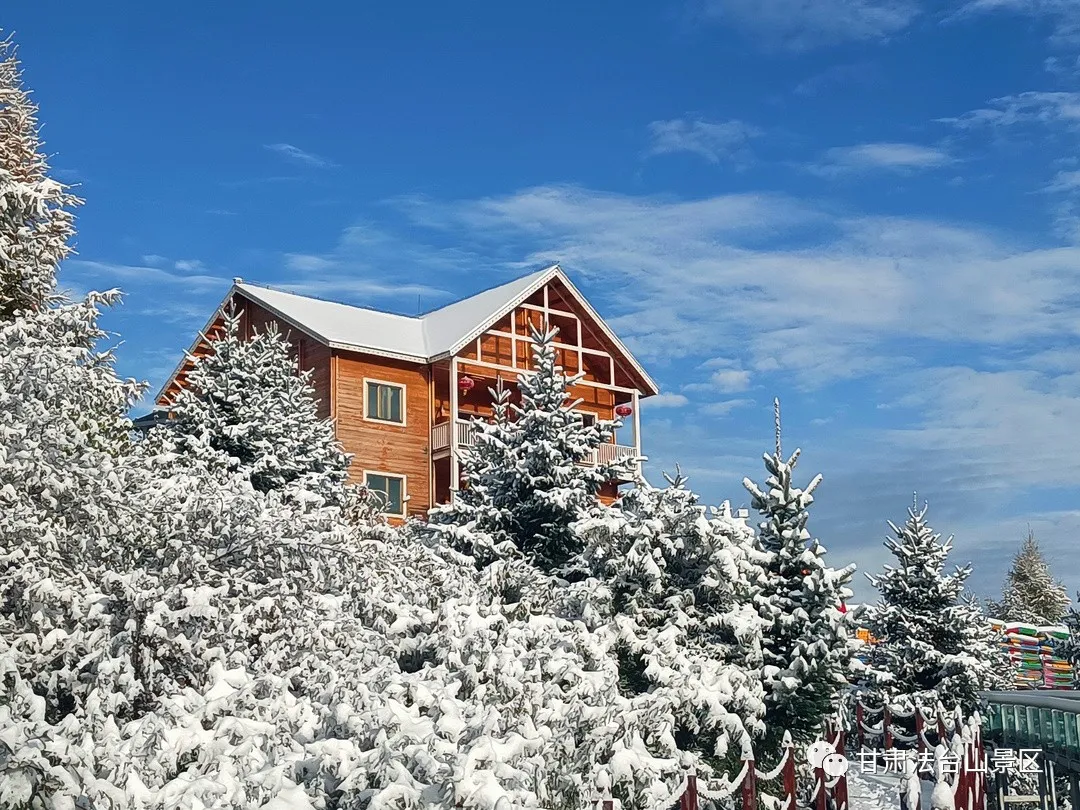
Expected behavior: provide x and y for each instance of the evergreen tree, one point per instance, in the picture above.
(935, 643)
(1031, 594)
(669, 567)
(247, 399)
(36, 223)
(525, 486)
(807, 641)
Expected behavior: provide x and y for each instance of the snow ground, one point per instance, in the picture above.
(868, 791)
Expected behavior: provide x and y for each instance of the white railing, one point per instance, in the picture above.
(440, 437)
(607, 453)
(464, 431)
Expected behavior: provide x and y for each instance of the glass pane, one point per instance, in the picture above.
(394, 495)
(390, 488)
(1059, 728)
(384, 402)
(994, 716)
(395, 405)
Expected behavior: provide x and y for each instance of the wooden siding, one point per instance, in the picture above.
(310, 354)
(378, 446)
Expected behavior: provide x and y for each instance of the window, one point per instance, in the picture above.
(385, 402)
(588, 419)
(391, 488)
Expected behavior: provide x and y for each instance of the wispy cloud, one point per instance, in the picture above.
(712, 141)
(798, 24)
(1065, 181)
(665, 400)
(186, 273)
(1064, 13)
(298, 155)
(1032, 107)
(870, 157)
(852, 77)
(724, 407)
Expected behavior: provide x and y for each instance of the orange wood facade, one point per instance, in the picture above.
(432, 392)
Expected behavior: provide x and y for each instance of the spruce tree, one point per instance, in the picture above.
(36, 222)
(935, 643)
(807, 643)
(250, 403)
(669, 566)
(525, 485)
(1031, 594)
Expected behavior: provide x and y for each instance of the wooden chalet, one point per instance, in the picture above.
(403, 391)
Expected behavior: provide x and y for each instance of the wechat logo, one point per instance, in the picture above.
(822, 755)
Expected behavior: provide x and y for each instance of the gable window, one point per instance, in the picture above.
(391, 490)
(588, 419)
(384, 402)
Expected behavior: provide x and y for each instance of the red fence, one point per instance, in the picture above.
(689, 793)
(939, 737)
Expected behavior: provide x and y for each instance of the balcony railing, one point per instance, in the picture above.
(440, 441)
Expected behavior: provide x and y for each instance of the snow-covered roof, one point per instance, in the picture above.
(424, 338)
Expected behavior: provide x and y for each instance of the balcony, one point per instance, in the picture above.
(440, 443)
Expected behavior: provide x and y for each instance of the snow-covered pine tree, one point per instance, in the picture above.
(681, 585)
(36, 223)
(1031, 594)
(525, 486)
(807, 642)
(935, 643)
(247, 397)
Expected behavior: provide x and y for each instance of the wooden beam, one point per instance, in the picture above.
(430, 372)
(550, 311)
(635, 402)
(454, 476)
(586, 383)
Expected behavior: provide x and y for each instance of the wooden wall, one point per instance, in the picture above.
(311, 355)
(400, 450)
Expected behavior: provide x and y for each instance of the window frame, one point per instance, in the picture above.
(586, 415)
(404, 490)
(400, 386)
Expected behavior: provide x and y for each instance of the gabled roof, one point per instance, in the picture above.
(438, 333)
(435, 335)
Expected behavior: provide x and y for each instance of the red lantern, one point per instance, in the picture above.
(466, 384)
(843, 608)
(623, 411)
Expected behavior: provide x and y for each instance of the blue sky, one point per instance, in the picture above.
(870, 208)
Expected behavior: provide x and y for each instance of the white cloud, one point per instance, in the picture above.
(867, 157)
(1066, 181)
(711, 141)
(724, 407)
(730, 381)
(1031, 107)
(298, 155)
(799, 24)
(137, 275)
(665, 399)
(686, 279)
(1064, 13)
